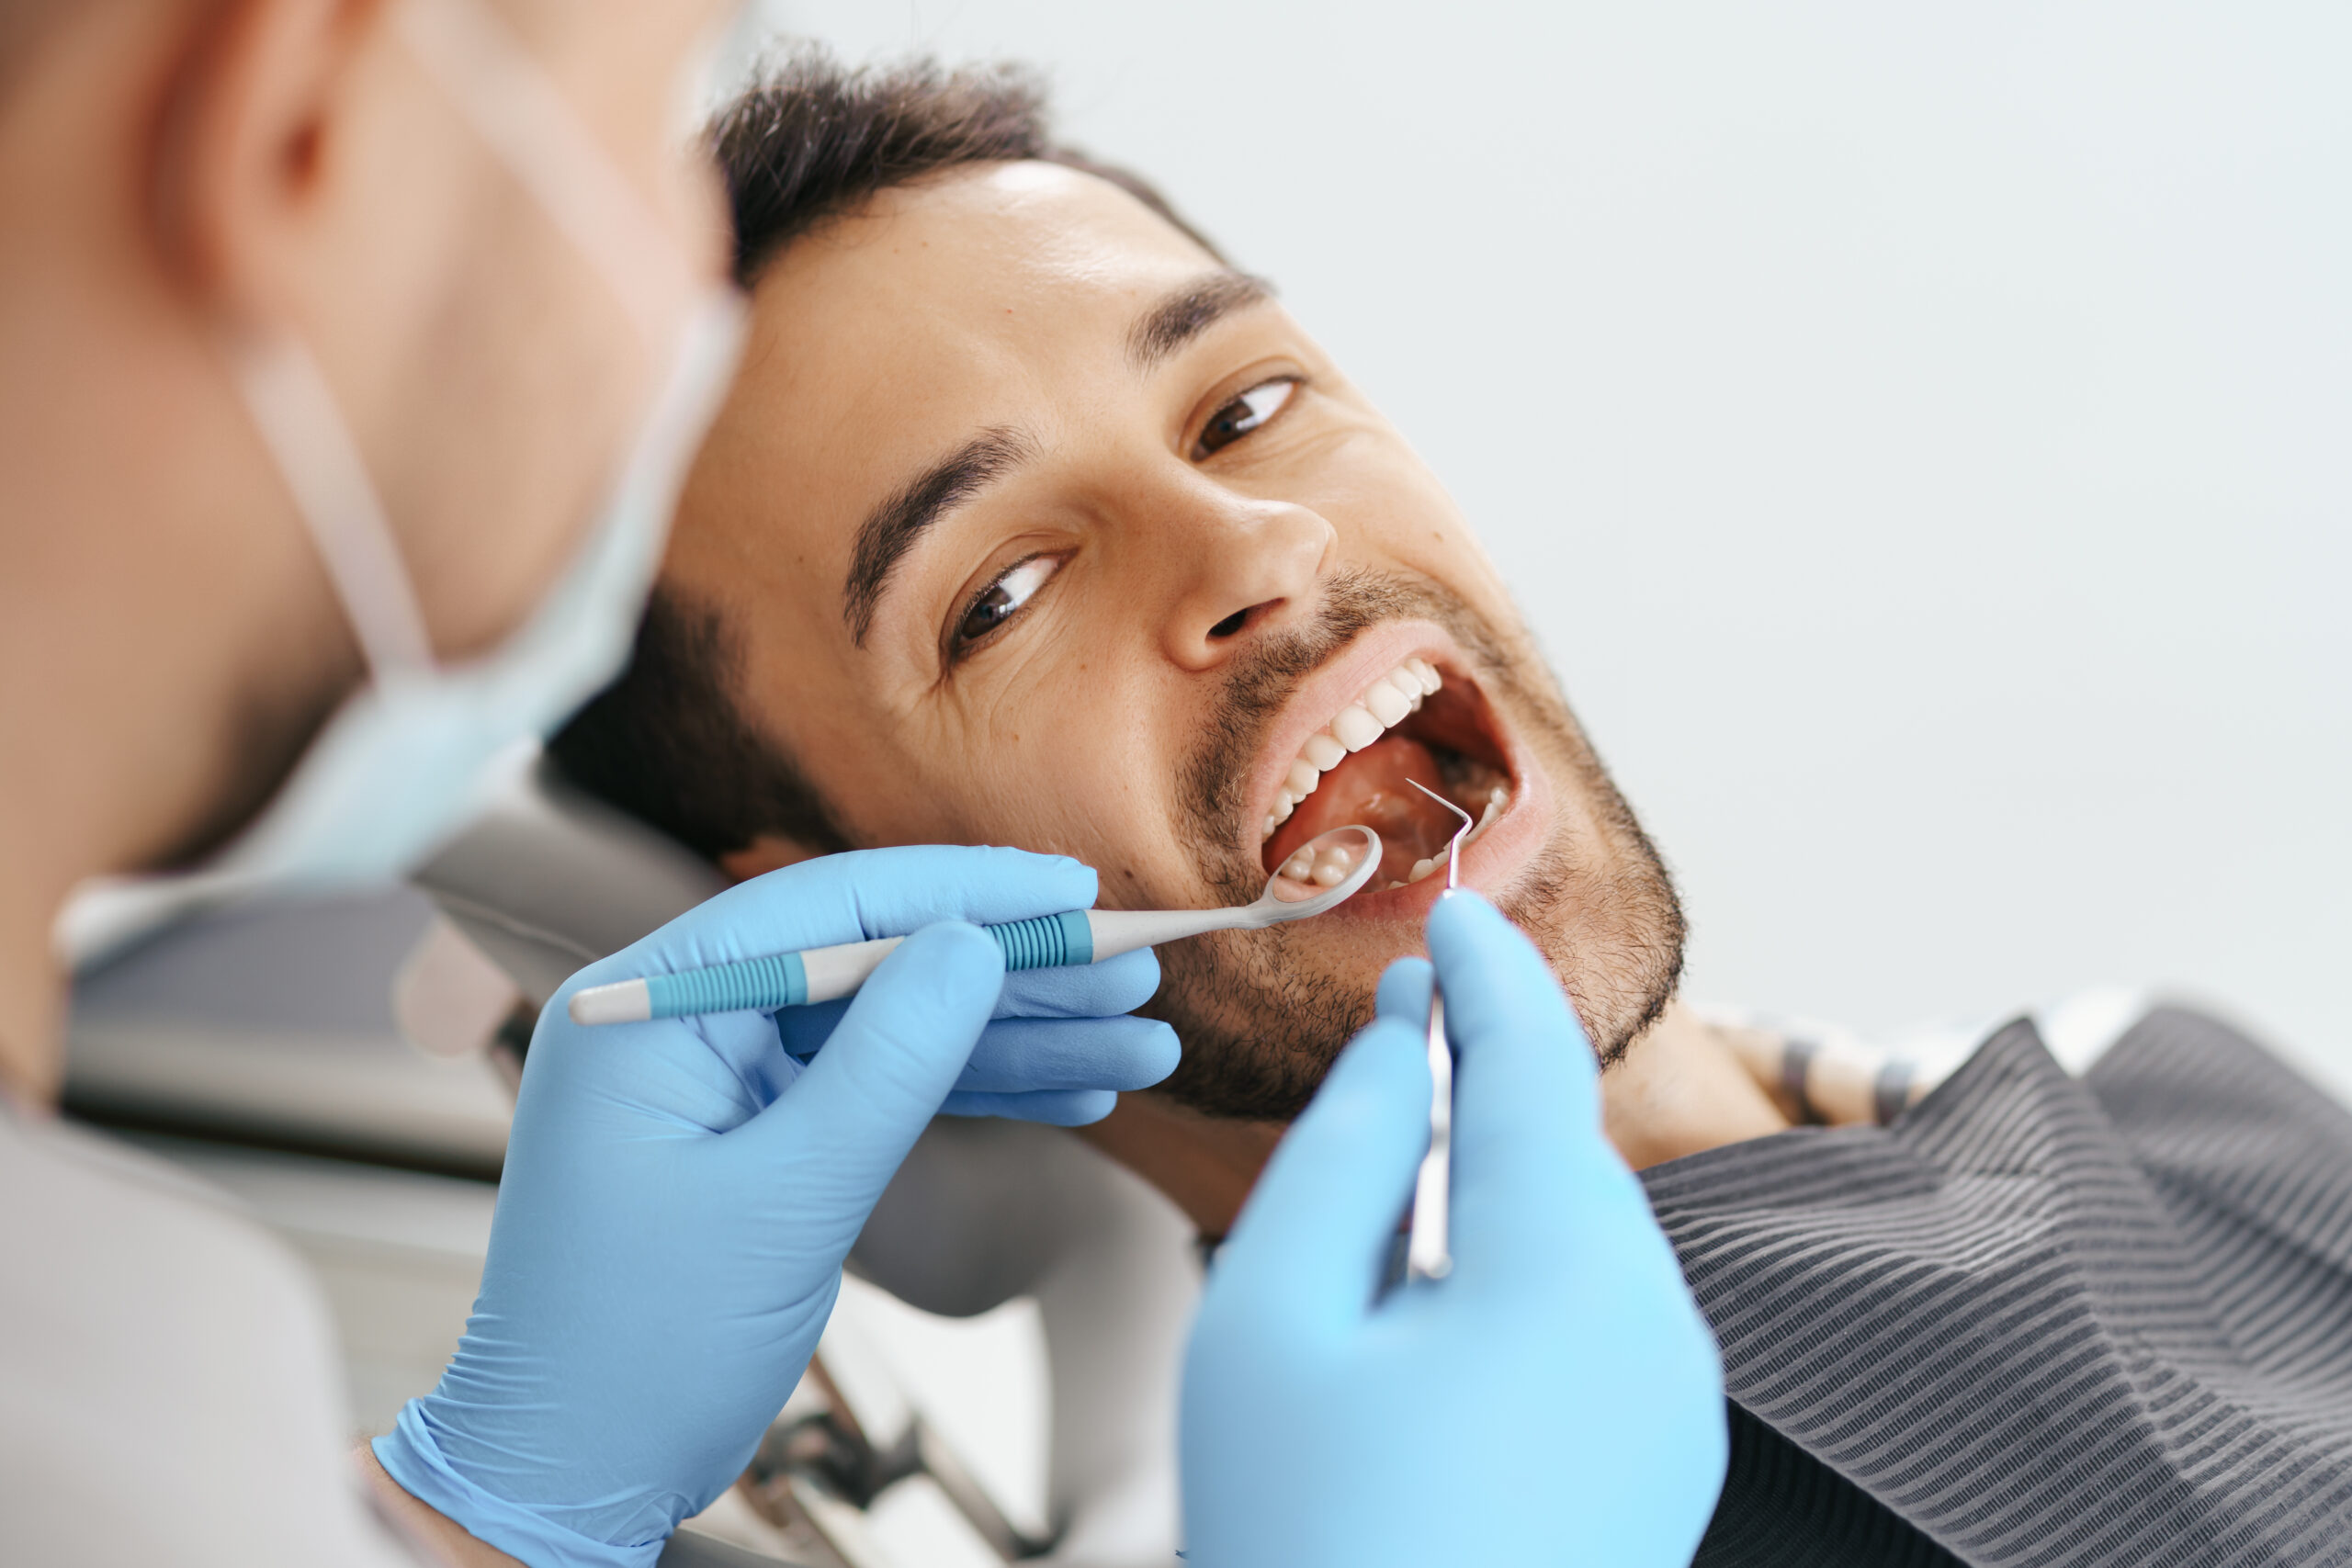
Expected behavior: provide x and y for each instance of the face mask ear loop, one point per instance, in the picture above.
(515, 109)
(296, 413)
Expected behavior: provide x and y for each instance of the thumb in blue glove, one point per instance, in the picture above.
(679, 1194)
(1556, 1398)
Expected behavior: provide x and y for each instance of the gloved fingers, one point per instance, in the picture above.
(1404, 991)
(1081, 990)
(1019, 1055)
(851, 1117)
(1529, 1157)
(803, 1030)
(710, 1074)
(1052, 1107)
(855, 897)
(692, 1075)
(1310, 1242)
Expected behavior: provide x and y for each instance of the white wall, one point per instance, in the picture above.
(1920, 434)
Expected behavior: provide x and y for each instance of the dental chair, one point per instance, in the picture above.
(983, 1213)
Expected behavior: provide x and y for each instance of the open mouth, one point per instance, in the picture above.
(1414, 724)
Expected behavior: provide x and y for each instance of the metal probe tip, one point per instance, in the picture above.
(1453, 845)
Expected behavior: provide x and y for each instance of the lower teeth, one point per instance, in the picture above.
(1302, 868)
(1497, 798)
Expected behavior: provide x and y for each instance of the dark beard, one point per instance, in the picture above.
(1260, 1024)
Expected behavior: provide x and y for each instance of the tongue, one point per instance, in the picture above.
(1371, 787)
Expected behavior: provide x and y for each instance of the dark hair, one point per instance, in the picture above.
(667, 744)
(810, 142)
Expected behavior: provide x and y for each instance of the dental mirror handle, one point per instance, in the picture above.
(826, 974)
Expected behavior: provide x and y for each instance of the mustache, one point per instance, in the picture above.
(1261, 682)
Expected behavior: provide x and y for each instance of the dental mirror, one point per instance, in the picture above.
(1318, 875)
(1324, 872)
(1319, 872)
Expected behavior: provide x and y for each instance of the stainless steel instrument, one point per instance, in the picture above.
(1429, 1252)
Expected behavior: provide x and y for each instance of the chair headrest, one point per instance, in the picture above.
(550, 878)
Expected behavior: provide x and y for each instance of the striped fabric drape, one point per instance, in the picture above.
(2037, 1320)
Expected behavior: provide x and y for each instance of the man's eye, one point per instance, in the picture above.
(1242, 415)
(1002, 600)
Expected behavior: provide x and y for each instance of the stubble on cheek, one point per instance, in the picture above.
(1612, 933)
(1260, 1024)
(1607, 920)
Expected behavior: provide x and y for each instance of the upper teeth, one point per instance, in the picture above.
(1383, 707)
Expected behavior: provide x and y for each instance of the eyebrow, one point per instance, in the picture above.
(891, 529)
(1188, 312)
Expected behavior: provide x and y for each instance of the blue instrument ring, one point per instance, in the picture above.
(1047, 941)
(779, 980)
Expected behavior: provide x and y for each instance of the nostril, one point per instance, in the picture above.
(1230, 625)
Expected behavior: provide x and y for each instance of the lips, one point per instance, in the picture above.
(1414, 718)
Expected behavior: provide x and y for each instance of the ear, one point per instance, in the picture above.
(769, 852)
(249, 126)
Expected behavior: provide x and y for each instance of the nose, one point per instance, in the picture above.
(1248, 566)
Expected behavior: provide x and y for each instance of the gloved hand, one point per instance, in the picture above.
(679, 1194)
(1556, 1399)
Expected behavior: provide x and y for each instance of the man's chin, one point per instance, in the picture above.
(1264, 1014)
(1262, 1022)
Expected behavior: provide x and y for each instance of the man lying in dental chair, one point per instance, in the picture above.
(1033, 521)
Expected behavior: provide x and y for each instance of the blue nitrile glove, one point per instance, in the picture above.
(1556, 1398)
(679, 1194)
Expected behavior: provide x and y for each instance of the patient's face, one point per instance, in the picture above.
(1035, 527)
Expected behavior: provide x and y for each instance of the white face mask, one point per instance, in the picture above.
(412, 754)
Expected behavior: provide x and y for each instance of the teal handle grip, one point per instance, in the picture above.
(1044, 941)
(780, 981)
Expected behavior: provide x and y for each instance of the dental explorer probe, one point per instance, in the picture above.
(1346, 856)
(1429, 1250)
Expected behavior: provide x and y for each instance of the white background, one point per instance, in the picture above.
(1918, 435)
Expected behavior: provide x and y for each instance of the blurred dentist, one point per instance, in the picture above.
(323, 323)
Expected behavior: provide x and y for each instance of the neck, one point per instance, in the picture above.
(1206, 1164)
(152, 561)
(31, 995)
(1681, 1090)
(104, 666)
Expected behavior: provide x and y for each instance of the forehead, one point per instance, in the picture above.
(945, 300)
(973, 254)
(998, 296)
